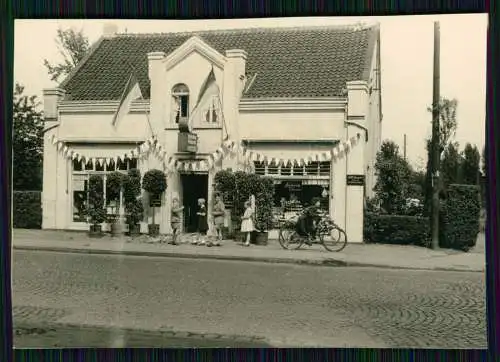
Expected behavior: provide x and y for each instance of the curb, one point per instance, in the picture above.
(328, 262)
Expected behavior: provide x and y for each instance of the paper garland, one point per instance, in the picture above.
(151, 145)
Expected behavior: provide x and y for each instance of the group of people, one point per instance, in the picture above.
(218, 216)
(305, 227)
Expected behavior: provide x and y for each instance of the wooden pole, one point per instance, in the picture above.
(435, 141)
(404, 147)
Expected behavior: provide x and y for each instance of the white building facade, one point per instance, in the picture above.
(289, 98)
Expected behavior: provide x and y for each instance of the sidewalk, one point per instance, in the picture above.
(368, 255)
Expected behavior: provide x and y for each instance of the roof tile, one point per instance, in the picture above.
(298, 62)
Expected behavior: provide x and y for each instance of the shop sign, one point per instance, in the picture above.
(155, 201)
(355, 180)
(187, 142)
(293, 185)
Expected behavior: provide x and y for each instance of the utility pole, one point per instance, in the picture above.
(435, 142)
(404, 147)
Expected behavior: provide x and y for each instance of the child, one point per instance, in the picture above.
(247, 222)
(202, 223)
(218, 214)
(175, 219)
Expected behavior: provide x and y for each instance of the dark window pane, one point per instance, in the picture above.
(89, 166)
(286, 170)
(122, 165)
(111, 166)
(184, 106)
(77, 165)
(132, 164)
(99, 166)
(259, 168)
(324, 168)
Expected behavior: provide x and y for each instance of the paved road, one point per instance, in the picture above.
(288, 305)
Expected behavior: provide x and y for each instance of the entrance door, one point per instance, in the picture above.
(193, 188)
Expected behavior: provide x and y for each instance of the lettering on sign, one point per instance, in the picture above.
(188, 142)
(294, 186)
(355, 180)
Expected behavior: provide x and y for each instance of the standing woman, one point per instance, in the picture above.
(247, 222)
(218, 214)
(202, 222)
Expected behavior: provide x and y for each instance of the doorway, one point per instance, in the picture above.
(194, 186)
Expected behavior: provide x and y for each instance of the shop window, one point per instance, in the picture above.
(80, 179)
(312, 169)
(180, 102)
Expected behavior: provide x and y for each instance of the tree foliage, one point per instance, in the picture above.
(450, 165)
(73, 46)
(471, 165)
(393, 178)
(447, 121)
(27, 142)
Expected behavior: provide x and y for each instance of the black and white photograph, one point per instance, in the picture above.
(278, 182)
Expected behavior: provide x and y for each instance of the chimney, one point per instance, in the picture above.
(237, 60)
(109, 29)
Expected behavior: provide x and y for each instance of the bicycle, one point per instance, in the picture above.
(330, 235)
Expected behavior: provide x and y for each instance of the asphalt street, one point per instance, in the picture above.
(287, 305)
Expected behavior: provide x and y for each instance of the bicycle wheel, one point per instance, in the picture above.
(289, 239)
(334, 240)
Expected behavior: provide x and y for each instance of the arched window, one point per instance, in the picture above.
(180, 102)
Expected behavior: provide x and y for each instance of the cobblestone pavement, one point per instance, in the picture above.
(288, 305)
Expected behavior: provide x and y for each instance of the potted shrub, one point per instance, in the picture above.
(133, 204)
(96, 211)
(264, 200)
(155, 183)
(114, 186)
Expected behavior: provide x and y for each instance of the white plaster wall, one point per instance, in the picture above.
(98, 126)
(291, 125)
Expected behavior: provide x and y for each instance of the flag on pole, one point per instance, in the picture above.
(131, 92)
(207, 101)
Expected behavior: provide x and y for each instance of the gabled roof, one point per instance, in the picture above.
(286, 62)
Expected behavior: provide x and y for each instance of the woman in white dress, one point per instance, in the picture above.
(247, 222)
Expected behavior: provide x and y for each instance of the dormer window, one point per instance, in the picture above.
(180, 102)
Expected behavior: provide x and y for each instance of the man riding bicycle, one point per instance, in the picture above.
(307, 221)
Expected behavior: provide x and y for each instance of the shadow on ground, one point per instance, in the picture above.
(31, 336)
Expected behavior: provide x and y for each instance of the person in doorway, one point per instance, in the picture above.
(175, 219)
(202, 223)
(309, 218)
(218, 215)
(247, 222)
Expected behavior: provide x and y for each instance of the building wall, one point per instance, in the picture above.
(292, 125)
(94, 124)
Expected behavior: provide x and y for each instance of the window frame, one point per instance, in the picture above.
(87, 173)
(180, 95)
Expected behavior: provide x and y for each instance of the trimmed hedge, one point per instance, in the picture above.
(396, 229)
(27, 210)
(459, 217)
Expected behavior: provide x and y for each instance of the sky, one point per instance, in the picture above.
(406, 64)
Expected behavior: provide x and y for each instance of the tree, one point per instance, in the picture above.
(484, 166)
(73, 46)
(27, 143)
(393, 180)
(450, 165)
(447, 131)
(447, 121)
(471, 165)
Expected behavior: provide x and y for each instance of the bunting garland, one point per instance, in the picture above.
(152, 146)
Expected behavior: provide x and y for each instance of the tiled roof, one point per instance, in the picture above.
(288, 62)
